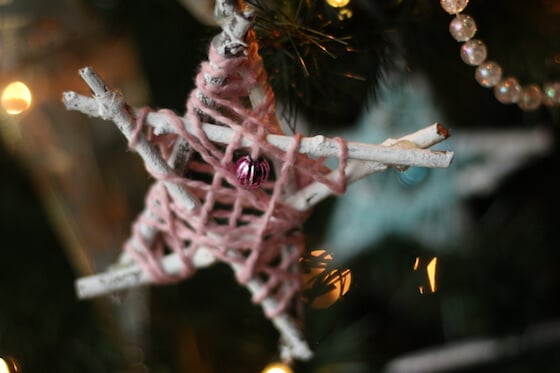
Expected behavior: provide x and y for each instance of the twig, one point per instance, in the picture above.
(316, 146)
(111, 107)
(131, 275)
(356, 170)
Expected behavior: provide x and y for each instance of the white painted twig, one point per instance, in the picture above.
(319, 146)
(316, 146)
(132, 275)
(111, 107)
(309, 196)
(234, 23)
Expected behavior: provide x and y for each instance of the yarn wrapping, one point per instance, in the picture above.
(253, 230)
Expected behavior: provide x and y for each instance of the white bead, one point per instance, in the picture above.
(462, 27)
(551, 94)
(454, 6)
(473, 52)
(531, 98)
(507, 91)
(488, 74)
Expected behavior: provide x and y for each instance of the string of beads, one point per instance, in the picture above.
(488, 73)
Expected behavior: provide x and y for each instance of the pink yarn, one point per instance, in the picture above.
(251, 228)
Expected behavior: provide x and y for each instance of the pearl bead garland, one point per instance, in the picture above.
(488, 73)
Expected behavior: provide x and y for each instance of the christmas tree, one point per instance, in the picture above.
(452, 269)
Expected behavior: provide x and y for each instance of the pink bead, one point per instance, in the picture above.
(454, 6)
(488, 74)
(507, 91)
(462, 27)
(552, 94)
(473, 52)
(250, 173)
(531, 98)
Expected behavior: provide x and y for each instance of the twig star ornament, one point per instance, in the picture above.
(230, 185)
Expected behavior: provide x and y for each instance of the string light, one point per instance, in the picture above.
(323, 285)
(16, 98)
(488, 73)
(4, 368)
(277, 368)
(338, 3)
(8, 366)
(431, 271)
(345, 13)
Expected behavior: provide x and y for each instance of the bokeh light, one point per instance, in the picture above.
(277, 368)
(323, 285)
(431, 272)
(338, 3)
(8, 365)
(4, 368)
(16, 98)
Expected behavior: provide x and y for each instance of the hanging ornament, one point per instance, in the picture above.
(193, 222)
(251, 173)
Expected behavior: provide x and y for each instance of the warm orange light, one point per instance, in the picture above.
(416, 264)
(16, 98)
(8, 366)
(277, 368)
(322, 253)
(323, 285)
(345, 278)
(338, 3)
(431, 270)
(345, 13)
(4, 368)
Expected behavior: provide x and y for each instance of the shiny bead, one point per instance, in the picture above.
(454, 6)
(462, 27)
(507, 91)
(488, 74)
(251, 173)
(473, 52)
(531, 98)
(551, 94)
